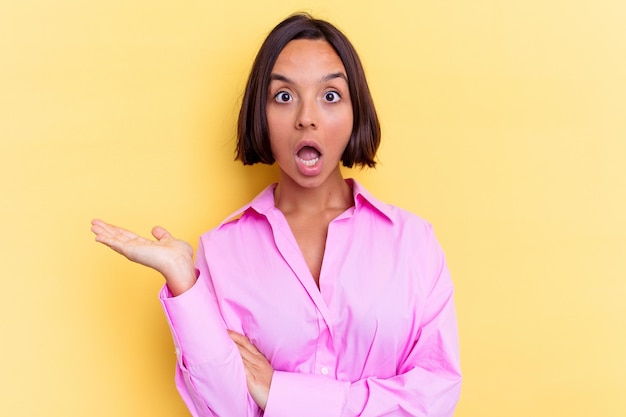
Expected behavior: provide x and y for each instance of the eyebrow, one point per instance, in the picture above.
(335, 75)
(328, 77)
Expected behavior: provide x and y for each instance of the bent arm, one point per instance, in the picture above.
(428, 382)
(210, 375)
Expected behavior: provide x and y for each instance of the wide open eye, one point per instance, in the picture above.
(332, 96)
(283, 97)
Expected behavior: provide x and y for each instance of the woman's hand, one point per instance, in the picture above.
(170, 256)
(259, 372)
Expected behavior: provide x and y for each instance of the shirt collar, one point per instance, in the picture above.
(264, 202)
(361, 196)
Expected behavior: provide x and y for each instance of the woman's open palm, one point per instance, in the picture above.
(170, 256)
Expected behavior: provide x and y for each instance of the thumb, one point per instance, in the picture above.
(160, 233)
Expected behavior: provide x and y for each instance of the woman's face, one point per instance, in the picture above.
(309, 112)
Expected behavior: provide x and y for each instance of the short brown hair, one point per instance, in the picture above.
(253, 143)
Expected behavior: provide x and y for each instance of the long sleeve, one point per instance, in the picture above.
(210, 375)
(376, 337)
(427, 385)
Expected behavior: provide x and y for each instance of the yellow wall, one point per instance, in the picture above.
(504, 125)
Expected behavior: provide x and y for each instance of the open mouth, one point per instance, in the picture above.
(309, 155)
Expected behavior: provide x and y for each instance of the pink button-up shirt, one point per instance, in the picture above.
(377, 338)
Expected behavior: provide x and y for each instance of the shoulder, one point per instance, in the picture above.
(409, 227)
(397, 217)
(247, 215)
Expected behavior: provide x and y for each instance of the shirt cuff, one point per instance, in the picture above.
(197, 326)
(305, 395)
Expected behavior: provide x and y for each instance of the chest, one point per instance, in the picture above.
(365, 305)
(310, 236)
(361, 320)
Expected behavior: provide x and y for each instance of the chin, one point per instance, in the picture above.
(309, 182)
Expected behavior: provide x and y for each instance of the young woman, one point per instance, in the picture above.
(315, 299)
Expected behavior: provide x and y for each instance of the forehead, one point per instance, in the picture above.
(306, 55)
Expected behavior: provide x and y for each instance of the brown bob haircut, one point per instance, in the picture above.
(253, 143)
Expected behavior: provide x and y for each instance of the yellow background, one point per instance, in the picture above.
(503, 124)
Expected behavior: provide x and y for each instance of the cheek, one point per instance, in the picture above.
(277, 134)
(343, 125)
(277, 119)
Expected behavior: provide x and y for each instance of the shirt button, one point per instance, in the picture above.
(324, 371)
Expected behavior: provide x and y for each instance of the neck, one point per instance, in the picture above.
(333, 194)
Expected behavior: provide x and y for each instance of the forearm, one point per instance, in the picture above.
(426, 383)
(210, 372)
(215, 390)
(417, 393)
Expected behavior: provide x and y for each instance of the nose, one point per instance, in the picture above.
(307, 115)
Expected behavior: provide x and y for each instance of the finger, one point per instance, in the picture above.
(99, 227)
(243, 342)
(96, 222)
(115, 242)
(102, 232)
(160, 233)
(103, 228)
(111, 243)
(238, 338)
(112, 236)
(245, 355)
(252, 362)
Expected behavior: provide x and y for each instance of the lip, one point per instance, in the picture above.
(310, 143)
(305, 168)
